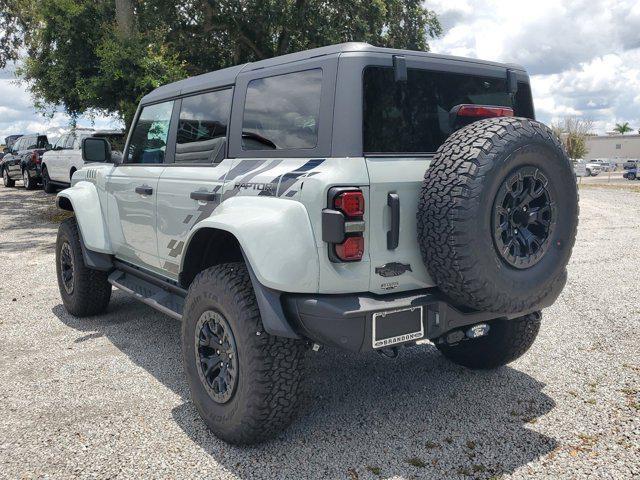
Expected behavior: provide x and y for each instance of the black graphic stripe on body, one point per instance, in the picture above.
(288, 179)
(232, 192)
(243, 167)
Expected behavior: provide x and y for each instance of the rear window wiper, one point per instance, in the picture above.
(259, 138)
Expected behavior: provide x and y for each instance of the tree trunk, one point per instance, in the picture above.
(125, 17)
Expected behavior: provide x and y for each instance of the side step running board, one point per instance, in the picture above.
(153, 295)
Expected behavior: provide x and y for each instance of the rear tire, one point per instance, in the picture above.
(84, 291)
(6, 180)
(29, 183)
(498, 214)
(506, 341)
(46, 182)
(248, 390)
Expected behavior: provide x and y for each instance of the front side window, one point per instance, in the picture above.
(148, 142)
(59, 145)
(202, 128)
(31, 143)
(413, 116)
(68, 144)
(282, 112)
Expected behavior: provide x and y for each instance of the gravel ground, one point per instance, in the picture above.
(105, 396)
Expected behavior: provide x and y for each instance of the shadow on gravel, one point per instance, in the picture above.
(34, 212)
(415, 416)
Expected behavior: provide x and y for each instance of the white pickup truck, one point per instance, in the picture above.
(61, 162)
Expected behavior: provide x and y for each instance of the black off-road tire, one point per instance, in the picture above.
(456, 213)
(47, 186)
(91, 291)
(6, 180)
(506, 341)
(270, 369)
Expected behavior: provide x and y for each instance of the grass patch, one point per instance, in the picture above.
(416, 462)
(374, 470)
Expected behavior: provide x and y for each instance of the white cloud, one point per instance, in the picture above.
(583, 55)
(18, 116)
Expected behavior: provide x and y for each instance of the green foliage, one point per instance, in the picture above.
(78, 59)
(573, 132)
(622, 128)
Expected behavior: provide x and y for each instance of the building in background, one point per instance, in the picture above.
(613, 147)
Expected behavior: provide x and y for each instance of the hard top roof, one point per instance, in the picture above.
(227, 76)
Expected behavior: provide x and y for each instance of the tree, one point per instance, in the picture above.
(573, 131)
(104, 55)
(622, 128)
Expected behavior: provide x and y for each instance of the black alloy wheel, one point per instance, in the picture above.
(67, 267)
(524, 214)
(217, 356)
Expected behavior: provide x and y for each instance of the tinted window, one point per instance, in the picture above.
(282, 112)
(523, 101)
(202, 128)
(149, 137)
(413, 116)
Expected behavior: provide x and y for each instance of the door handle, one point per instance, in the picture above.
(204, 196)
(393, 235)
(144, 190)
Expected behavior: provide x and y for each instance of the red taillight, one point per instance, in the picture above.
(484, 111)
(35, 158)
(351, 249)
(350, 203)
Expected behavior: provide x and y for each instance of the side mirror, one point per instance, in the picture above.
(96, 150)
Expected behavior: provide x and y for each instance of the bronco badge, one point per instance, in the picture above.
(393, 269)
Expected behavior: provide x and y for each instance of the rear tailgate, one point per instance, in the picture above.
(399, 268)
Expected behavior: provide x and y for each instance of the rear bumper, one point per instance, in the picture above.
(346, 320)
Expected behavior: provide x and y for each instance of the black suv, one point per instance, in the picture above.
(22, 161)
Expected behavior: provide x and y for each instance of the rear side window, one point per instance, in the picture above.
(202, 129)
(282, 112)
(413, 116)
(148, 142)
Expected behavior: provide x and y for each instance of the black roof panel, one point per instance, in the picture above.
(227, 76)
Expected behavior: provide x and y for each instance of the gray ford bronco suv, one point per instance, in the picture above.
(347, 196)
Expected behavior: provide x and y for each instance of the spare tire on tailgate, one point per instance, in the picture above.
(498, 215)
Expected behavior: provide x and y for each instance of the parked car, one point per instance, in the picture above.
(605, 165)
(631, 174)
(631, 163)
(10, 140)
(22, 162)
(593, 169)
(351, 196)
(65, 157)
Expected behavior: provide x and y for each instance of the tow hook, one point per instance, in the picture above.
(389, 352)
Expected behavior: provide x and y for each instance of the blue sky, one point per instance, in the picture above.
(583, 57)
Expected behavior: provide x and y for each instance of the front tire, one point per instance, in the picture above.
(244, 382)
(506, 341)
(46, 182)
(84, 291)
(6, 180)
